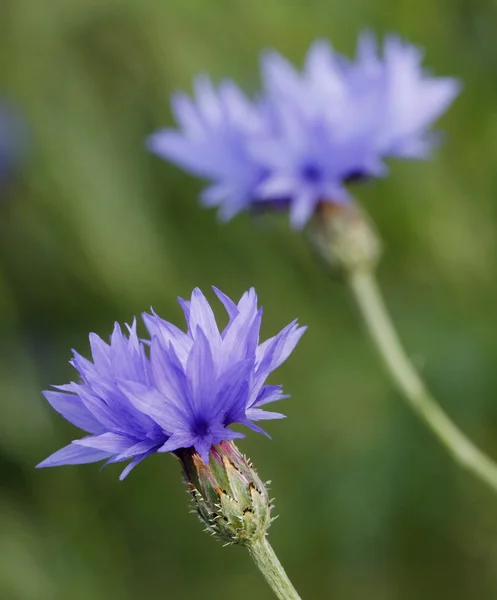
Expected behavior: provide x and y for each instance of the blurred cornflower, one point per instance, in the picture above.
(309, 133)
(174, 390)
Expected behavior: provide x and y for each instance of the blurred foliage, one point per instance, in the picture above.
(93, 229)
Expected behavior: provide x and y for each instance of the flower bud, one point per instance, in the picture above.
(344, 237)
(229, 497)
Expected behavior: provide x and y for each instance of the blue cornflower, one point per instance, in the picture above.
(310, 132)
(175, 390)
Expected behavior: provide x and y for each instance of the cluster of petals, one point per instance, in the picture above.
(175, 389)
(310, 131)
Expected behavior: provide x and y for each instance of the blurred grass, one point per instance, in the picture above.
(95, 230)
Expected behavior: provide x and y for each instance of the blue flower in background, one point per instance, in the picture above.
(310, 132)
(175, 390)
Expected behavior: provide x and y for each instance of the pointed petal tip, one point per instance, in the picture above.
(149, 316)
(258, 414)
(73, 455)
(127, 470)
(48, 393)
(197, 293)
(248, 423)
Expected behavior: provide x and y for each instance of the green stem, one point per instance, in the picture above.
(410, 384)
(269, 565)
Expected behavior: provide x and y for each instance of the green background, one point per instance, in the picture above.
(93, 229)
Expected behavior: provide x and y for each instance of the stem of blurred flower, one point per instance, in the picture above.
(346, 239)
(382, 332)
(269, 565)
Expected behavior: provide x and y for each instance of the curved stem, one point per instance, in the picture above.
(269, 565)
(410, 384)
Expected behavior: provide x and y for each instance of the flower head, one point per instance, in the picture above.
(175, 390)
(311, 132)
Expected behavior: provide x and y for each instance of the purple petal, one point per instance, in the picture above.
(105, 414)
(207, 100)
(248, 301)
(228, 435)
(82, 364)
(321, 63)
(170, 377)
(274, 351)
(232, 393)
(113, 443)
(133, 464)
(280, 77)
(101, 353)
(168, 334)
(187, 114)
(180, 439)
(72, 409)
(255, 427)
(241, 112)
(257, 414)
(270, 393)
(302, 208)
(277, 186)
(73, 455)
(245, 326)
(152, 403)
(200, 372)
(138, 449)
(185, 305)
(127, 362)
(215, 195)
(183, 152)
(202, 447)
(115, 407)
(133, 341)
(201, 316)
(238, 201)
(229, 305)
